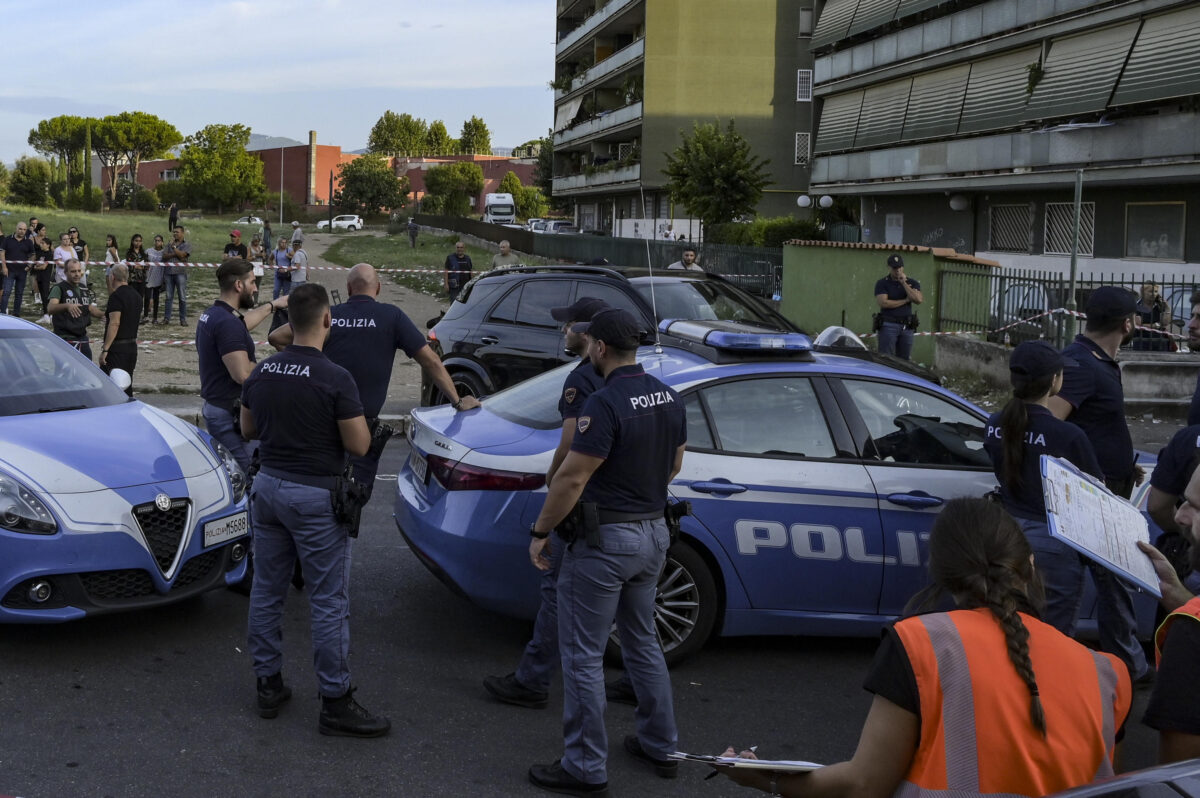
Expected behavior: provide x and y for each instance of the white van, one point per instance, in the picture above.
(499, 209)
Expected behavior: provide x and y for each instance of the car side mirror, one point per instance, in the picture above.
(121, 378)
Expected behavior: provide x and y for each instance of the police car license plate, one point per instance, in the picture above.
(419, 465)
(228, 528)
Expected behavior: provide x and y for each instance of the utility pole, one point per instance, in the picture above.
(1072, 325)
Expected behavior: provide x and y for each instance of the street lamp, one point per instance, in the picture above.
(805, 201)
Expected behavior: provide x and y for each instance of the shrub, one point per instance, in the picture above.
(764, 232)
(82, 199)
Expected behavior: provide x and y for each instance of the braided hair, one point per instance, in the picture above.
(1014, 420)
(979, 555)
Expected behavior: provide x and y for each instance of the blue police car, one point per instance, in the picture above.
(106, 503)
(814, 481)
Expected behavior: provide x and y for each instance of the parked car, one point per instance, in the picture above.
(814, 481)
(560, 227)
(249, 220)
(344, 222)
(140, 509)
(532, 224)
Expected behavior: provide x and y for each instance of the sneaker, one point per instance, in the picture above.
(45, 319)
(272, 694)
(553, 778)
(663, 768)
(621, 692)
(511, 691)
(345, 717)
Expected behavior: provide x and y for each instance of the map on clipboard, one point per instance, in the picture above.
(1085, 515)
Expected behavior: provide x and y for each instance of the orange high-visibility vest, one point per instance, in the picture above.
(977, 736)
(1189, 610)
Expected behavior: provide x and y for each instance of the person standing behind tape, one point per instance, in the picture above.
(457, 271)
(896, 294)
(283, 269)
(175, 260)
(628, 446)
(299, 268)
(225, 351)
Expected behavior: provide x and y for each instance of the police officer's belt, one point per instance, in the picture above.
(614, 517)
(311, 480)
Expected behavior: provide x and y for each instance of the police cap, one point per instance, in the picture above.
(1110, 302)
(895, 262)
(584, 308)
(1035, 360)
(615, 327)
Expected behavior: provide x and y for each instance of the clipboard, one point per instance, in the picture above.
(1088, 517)
(777, 765)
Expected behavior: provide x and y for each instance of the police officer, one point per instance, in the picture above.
(225, 351)
(628, 446)
(896, 294)
(363, 340)
(72, 307)
(306, 412)
(529, 685)
(1176, 463)
(1092, 398)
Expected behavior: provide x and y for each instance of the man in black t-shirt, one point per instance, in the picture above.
(895, 295)
(122, 314)
(458, 270)
(235, 248)
(15, 252)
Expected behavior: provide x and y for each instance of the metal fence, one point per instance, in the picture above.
(1014, 305)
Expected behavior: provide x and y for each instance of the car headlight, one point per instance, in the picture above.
(237, 477)
(21, 511)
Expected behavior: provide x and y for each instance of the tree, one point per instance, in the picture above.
(475, 138)
(30, 182)
(437, 139)
(216, 170)
(144, 136)
(368, 185)
(108, 145)
(510, 184)
(398, 134)
(715, 175)
(543, 170)
(60, 136)
(4, 178)
(455, 184)
(532, 203)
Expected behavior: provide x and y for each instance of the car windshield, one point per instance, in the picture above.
(40, 373)
(701, 299)
(533, 403)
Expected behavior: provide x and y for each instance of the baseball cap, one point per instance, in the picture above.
(237, 233)
(1110, 302)
(295, 224)
(895, 262)
(613, 326)
(1035, 359)
(583, 310)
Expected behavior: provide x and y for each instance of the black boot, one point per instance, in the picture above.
(272, 694)
(345, 717)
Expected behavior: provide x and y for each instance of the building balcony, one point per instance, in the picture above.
(592, 24)
(603, 123)
(580, 183)
(616, 62)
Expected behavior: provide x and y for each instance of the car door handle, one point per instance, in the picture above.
(719, 487)
(918, 498)
(489, 339)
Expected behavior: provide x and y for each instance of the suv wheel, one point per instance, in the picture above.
(465, 382)
(351, 228)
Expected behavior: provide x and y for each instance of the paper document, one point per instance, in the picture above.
(779, 765)
(1085, 515)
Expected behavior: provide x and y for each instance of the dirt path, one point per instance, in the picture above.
(167, 368)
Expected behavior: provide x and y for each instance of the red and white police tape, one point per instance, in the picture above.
(1019, 322)
(173, 264)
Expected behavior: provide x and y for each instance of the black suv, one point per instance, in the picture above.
(499, 330)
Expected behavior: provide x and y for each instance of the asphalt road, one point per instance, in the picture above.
(161, 703)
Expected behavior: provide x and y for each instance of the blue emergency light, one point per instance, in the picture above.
(727, 335)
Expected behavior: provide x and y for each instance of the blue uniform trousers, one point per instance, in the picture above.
(296, 521)
(895, 339)
(1061, 569)
(541, 656)
(219, 423)
(616, 580)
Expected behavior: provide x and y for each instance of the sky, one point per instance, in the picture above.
(285, 67)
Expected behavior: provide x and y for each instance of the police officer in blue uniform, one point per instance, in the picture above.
(1093, 399)
(225, 351)
(307, 415)
(363, 340)
(1175, 466)
(529, 685)
(628, 446)
(896, 294)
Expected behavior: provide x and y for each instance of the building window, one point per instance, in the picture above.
(804, 85)
(806, 22)
(1060, 222)
(1154, 230)
(170, 174)
(803, 148)
(1009, 228)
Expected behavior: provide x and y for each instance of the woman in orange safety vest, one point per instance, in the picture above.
(982, 700)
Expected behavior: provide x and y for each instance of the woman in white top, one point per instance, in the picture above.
(64, 252)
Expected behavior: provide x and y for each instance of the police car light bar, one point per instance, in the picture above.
(712, 334)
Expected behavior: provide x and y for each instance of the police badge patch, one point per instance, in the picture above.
(583, 423)
(569, 395)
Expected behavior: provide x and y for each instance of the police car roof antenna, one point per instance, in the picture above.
(650, 266)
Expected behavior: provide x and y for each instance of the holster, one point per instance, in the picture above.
(876, 322)
(252, 471)
(590, 523)
(672, 513)
(568, 528)
(236, 412)
(381, 433)
(348, 498)
(912, 322)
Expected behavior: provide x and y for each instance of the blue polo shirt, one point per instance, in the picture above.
(219, 332)
(1045, 435)
(894, 290)
(363, 340)
(1092, 385)
(582, 382)
(635, 423)
(1177, 461)
(1194, 410)
(297, 398)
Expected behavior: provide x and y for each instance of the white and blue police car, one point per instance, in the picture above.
(814, 480)
(106, 503)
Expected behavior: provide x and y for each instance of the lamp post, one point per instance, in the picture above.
(281, 188)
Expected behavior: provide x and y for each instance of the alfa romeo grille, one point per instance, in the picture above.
(163, 529)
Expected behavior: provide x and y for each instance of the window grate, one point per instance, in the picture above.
(1009, 228)
(1060, 222)
(803, 148)
(804, 85)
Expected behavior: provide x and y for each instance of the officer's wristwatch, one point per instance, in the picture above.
(534, 533)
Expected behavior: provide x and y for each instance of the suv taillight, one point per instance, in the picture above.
(459, 476)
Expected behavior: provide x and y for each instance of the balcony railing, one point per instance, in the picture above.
(618, 60)
(606, 120)
(592, 24)
(623, 174)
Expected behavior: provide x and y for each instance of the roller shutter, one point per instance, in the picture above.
(935, 103)
(1080, 72)
(881, 120)
(1163, 64)
(834, 22)
(839, 121)
(873, 13)
(996, 91)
